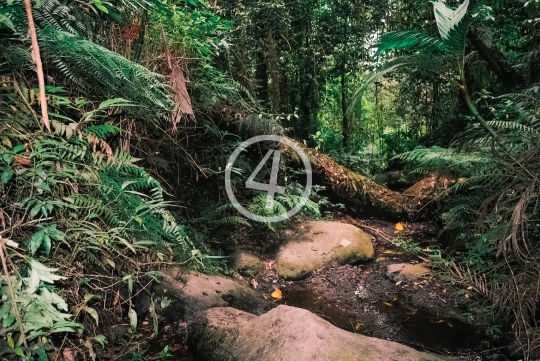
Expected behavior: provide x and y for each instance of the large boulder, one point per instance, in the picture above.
(289, 333)
(319, 244)
(192, 293)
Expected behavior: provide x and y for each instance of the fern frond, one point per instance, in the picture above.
(511, 125)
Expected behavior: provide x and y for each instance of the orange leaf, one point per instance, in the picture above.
(400, 226)
(277, 294)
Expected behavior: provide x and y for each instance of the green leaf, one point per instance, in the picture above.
(116, 102)
(407, 39)
(18, 148)
(47, 243)
(165, 302)
(7, 174)
(35, 210)
(452, 25)
(36, 241)
(4, 20)
(102, 340)
(92, 312)
(102, 7)
(132, 318)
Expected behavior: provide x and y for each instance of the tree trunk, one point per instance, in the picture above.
(261, 74)
(345, 126)
(363, 194)
(273, 67)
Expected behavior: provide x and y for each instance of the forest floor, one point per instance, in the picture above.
(421, 312)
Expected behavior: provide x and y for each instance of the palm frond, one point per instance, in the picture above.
(407, 39)
(423, 62)
(452, 25)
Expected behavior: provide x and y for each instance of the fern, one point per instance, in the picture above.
(103, 131)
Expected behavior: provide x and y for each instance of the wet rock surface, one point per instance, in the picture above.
(290, 333)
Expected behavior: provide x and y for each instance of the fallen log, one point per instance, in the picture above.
(363, 194)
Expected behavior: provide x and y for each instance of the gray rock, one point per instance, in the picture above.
(289, 333)
(247, 264)
(192, 293)
(319, 244)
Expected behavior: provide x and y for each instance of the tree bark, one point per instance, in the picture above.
(363, 194)
(345, 127)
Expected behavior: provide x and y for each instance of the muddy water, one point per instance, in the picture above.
(392, 319)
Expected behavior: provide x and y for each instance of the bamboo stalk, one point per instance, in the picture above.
(39, 66)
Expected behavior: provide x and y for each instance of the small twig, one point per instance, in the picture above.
(11, 293)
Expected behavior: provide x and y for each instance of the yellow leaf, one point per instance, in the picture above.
(394, 299)
(358, 325)
(388, 304)
(277, 294)
(400, 226)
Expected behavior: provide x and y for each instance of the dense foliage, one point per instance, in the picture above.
(148, 98)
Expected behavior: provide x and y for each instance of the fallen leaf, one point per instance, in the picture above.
(116, 298)
(342, 309)
(440, 321)
(400, 226)
(388, 304)
(277, 294)
(450, 325)
(68, 355)
(254, 283)
(466, 295)
(358, 325)
(398, 283)
(394, 299)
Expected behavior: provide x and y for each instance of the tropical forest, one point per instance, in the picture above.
(254, 180)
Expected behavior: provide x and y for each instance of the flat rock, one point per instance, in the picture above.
(247, 264)
(192, 293)
(290, 333)
(319, 244)
(406, 271)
